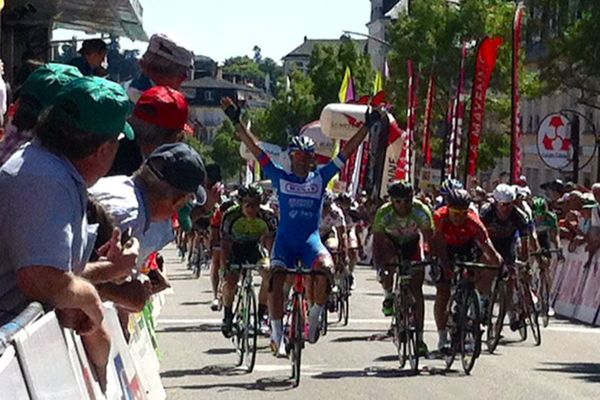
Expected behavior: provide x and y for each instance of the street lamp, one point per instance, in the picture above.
(366, 35)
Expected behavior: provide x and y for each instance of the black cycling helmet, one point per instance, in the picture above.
(450, 184)
(253, 191)
(400, 189)
(344, 198)
(458, 198)
(301, 143)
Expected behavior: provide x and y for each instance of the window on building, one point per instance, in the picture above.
(530, 124)
(209, 95)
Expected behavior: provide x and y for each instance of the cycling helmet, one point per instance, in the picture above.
(301, 143)
(328, 198)
(458, 198)
(251, 190)
(504, 193)
(523, 191)
(344, 198)
(450, 184)
(540, 205)
(400, 189)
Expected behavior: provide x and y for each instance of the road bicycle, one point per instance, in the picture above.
(245, 319)
(465, 316)
(542, 281)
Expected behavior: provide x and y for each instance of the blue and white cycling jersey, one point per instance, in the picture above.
(300, 204)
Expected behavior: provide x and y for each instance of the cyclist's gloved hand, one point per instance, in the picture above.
(232, 111)
(372, 116)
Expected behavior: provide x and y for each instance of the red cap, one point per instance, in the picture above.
(163, 106)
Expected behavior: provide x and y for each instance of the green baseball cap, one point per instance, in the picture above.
(47, 80)
(95, 105)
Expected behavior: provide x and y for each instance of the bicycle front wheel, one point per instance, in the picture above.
(496, 315)
(297, 339)
(238, 329)
(470, 331)
(400, 331)
(544, 298)
(531, 315)
(250, 329)
(411, 333)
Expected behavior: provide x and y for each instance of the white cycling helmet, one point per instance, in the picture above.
(504, 193)
(523, 191)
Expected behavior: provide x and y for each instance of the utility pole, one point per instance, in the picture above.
(575, 144)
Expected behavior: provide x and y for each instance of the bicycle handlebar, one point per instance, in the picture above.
(546, 252)
(473, 265)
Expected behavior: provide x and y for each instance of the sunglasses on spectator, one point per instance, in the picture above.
(458, 212)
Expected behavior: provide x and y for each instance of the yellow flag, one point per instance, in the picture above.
(378, 86)
(346, 82)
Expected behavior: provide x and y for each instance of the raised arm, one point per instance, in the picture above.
(372, 116)
(233, 113)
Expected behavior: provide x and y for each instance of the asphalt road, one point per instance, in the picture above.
(355, 362)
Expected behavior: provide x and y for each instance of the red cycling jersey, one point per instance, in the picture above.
(471, 229)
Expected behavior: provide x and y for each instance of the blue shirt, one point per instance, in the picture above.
(43, 202)
(126, 201)
(300, 199)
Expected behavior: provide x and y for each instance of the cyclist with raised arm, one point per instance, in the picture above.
(300, 194)
(507, 225)
(459, 233)
(246, 229)
(401, 228)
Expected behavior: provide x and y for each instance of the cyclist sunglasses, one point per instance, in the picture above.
(403, 200)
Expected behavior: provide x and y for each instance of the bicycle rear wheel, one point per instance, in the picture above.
(346, 299)
(470, 331)
(324, 321)
(250, 329)
(297, 340)
(496, 315)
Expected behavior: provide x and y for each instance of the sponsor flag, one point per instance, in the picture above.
(487, 55)
(515, 154)
(347, 92)
(457, 116)
(378, 84)
(427, 153)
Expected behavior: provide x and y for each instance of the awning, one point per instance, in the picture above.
(118, 17)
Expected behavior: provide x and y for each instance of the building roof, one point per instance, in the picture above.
(307, 47)
(212, 83)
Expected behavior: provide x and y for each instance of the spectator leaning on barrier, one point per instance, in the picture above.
(172, 175)
(45, 244)
(164, 63)
(92, 59)
(36, 95)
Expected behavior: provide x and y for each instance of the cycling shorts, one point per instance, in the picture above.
(287, 252)
(466, 252)
(244, 253)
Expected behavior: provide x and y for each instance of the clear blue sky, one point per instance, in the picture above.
(222, 29)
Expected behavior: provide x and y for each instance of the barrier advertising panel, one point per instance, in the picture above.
(12, 383)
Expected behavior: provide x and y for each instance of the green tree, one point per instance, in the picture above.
(572, 40)
(288, 112)
(246, 68)
(432, 36)
(200, 148)
(226, 151)
(328, 64)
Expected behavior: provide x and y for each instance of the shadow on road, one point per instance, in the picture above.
(272, 384)
(371, 372)
(195, 303)
(216, 370)
(585, 371)
(220, 351)
(188, 328)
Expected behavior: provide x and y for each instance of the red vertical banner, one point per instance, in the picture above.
(487, 55)
(427, 154)
(516, 151)
(403, 170)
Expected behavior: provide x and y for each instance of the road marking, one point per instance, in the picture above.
(367, 321)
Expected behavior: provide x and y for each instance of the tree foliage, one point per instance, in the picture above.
(226, 151)
(569, 41)
(328, 64)
(254, 70)
(432, 36)
(288, 112)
